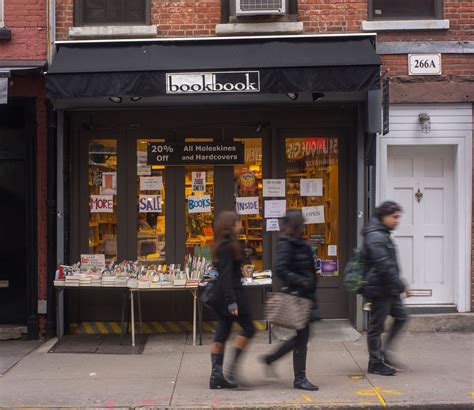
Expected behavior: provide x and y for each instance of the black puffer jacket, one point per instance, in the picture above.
(295, 267)
(229, 289)
(380, 254)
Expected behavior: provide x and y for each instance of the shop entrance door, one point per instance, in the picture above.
(421, 179)
(316, 183)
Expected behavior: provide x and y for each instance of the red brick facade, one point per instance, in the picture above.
(28, 24)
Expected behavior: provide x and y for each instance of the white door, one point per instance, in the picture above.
(421, 179)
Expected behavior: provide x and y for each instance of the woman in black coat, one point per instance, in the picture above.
(295, 268)
(230, 305)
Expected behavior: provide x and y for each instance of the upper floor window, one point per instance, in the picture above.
(2, 23)
(111, 12)
(405, 9)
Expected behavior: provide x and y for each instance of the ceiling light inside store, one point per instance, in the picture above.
(116, 100)
(292, 96)
(135, 99)
(317, 96)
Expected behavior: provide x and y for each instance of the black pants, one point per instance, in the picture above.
(381, 308)
(224, 326)
(299, 345)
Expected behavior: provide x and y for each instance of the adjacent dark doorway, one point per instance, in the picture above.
(18, 281)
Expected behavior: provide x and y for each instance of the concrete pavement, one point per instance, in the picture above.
(173, 373)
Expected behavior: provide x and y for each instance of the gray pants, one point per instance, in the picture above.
(381, 308)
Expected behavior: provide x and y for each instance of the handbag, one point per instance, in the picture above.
(209, 294)
(288, 310)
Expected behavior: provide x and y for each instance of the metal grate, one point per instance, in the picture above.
(257, 5)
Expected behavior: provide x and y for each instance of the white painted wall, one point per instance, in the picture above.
(451, 124)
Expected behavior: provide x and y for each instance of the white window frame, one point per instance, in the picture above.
(2, 20)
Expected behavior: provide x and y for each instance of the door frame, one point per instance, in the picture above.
(462, 206)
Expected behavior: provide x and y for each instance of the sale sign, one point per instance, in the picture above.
(149, 203)
(101, 204)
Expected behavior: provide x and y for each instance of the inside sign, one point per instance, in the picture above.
(424, 64)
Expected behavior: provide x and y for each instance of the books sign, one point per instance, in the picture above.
(199, 204)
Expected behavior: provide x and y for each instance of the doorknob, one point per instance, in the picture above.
(419, 195)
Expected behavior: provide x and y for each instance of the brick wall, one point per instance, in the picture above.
(27, 21)
(199, 17)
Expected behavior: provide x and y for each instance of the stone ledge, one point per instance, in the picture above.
(283, 27)
(403, 25)
(113, 31)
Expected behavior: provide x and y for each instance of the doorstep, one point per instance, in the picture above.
(442, 322)
(12, 332)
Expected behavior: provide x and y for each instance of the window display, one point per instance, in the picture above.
(102, 182)
(249, 201)
(312, 183)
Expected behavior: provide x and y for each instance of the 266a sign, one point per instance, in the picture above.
(424, 64)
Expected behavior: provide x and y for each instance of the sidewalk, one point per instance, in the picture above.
(173, 373)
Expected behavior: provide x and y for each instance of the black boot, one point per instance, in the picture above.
(217, 380)
(299, 367)
(381, 369)
(281, 351)
(232, 372)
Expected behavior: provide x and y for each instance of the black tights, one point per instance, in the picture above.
(299, 345)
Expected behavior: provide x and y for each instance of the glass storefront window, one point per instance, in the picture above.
(102, 182)
(151, 200)
(248, 184)
(199, 193)
(312, 183)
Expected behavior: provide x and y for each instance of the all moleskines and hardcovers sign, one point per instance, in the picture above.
(188, 153)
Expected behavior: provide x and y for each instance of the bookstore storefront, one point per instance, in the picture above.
(150, 163)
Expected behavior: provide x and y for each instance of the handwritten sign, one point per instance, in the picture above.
(247, 205)
(151, 183)
(273, 225)
(149, 204)
(92, 262)
(311, 187)
(101, 204)
(313, 214)
(275, 208)
(199, 204)
(143, 170)
(199, 181)
(274, 187)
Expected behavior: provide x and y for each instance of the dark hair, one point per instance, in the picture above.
(225, 231)
(386, 209)
(292, 221)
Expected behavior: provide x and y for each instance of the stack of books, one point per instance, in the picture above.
(85, 280)
(108, 281)
(72, 280)
(262, 278)
(143, 284)
(121, 281)
(132, 283)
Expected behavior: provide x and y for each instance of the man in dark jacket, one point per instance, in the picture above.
(384, 286)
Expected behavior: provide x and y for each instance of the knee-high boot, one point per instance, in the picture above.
(217, 380)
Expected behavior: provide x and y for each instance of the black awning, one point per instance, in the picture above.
(282, 65)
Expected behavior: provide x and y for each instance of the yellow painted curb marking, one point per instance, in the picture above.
(307, 398)
(88, 328)
(188, 325)
(146, 329)
(101, 327)
(174, 327)
(158, 327)
(259, 325)
(379, 396)
(115, 327)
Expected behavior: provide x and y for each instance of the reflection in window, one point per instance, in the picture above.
(248, 183)
(312, 181)
(150, 207)
(102, 183)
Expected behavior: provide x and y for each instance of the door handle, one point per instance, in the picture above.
(419, 195)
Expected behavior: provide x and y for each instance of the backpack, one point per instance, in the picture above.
(355, 273)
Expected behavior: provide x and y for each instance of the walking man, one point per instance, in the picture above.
(384, 286)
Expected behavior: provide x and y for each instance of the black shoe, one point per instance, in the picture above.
(218, 381)
(302, 383)
(270, 372)
(381, 369)
(389, 360)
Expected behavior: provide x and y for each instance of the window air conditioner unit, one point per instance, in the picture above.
(259, 7)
